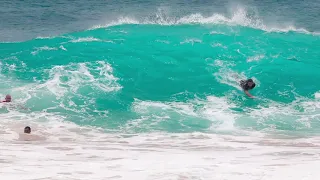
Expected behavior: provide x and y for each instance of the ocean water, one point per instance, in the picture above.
(149, 90)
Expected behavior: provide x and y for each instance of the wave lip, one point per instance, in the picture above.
(240, 17)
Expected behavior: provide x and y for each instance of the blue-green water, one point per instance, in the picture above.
(164, 72)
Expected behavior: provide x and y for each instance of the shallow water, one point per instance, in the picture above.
(149, 90)
(160, 156)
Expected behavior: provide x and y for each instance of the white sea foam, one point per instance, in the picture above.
(218, 45)
(44, 48)
(63, 48)
(214, 109)
(87, 152)
(89, 39)
(51, 37)
(191, 41)
(79, 75)
(163, 41)
(67, 151)
(215, 32)
(255, 58)
(59, 91)
(220, 111)
(300, 114)
(240, 17)
(85, 39)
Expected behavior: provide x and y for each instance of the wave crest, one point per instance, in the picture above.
(240, 17)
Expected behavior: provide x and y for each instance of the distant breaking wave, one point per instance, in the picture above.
(240, 17)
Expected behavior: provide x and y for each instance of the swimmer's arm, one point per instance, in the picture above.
(248, 94)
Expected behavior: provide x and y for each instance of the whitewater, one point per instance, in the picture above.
(157, 96)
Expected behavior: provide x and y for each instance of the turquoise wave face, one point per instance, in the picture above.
(174, 78)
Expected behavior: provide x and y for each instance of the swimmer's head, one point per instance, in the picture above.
(250, 83)
(8, 98)
(27, 130)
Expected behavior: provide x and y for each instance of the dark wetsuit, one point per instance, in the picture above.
(244, 85)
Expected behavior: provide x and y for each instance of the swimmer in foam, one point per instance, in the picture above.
(7, 99)
(27, 136)
(27, 130)
(247, 85)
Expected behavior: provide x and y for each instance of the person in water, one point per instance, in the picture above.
(247, 85)
(27, 130)
(7, 99)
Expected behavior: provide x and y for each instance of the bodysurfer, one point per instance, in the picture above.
(247, 85)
